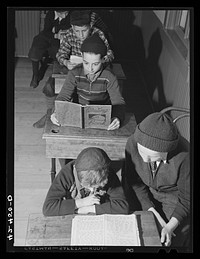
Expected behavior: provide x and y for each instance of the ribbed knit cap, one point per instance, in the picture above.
(80, 18)
(94, 44)
(157, 132)
(92, 158)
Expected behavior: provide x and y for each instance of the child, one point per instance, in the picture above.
(80, 29)
(164, 186)
(47, 40)
(81, 22)
(93, 83)
(86, 185)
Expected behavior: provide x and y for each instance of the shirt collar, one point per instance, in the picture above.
(95, 75)
(57, 17)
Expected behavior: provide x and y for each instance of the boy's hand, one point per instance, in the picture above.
(86, 210)
(54, 120)
(166, 235)
(69, 65)
(87, 201)
(115, 124)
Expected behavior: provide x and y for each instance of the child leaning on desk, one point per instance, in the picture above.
(158, 172)
(93, 83)
(86, 185)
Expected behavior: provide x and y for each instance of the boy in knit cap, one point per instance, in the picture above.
(93, 83)
(159, 175)
(86, 185)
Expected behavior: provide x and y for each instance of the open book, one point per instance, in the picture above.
(105, 230)
(88, 116)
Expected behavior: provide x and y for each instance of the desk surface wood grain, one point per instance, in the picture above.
(67, 142)
(56, 231)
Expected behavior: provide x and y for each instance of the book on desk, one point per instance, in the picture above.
(83, 116)
(105, 230)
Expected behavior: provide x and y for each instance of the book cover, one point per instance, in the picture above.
(88, 116)
(97, 116)
(68, 113)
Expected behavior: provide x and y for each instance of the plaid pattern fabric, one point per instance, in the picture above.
(97, 22)
(71, 46)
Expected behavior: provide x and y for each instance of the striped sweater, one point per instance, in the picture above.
(103, 90)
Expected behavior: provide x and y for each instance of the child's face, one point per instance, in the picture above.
(91, 62)
(81, 32)
(149, 155)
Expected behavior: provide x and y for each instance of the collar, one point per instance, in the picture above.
(93, 78)
(57, 17)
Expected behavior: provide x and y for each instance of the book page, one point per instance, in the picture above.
(107, 229)
(121, 230)
(87, 230)
(76, 59)
(97, 116)
(68, 113)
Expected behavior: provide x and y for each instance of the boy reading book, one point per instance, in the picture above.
(86, 185)
(159, 174)
(93, 83)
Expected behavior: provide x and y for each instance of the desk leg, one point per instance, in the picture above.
(53, 168)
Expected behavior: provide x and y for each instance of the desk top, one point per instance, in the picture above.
(53, 131)
(60, 71)
(56, 231)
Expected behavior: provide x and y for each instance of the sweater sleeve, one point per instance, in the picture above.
(132, 177)
(58, 201)
(116, 202)
(68, 88)
(64, 50)
(117, 101)
(183, 206)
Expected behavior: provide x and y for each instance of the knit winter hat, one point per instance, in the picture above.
(92, 158)
(94, 44)
(80, 18)
(157, 132)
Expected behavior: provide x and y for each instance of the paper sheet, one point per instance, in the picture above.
(76, 59)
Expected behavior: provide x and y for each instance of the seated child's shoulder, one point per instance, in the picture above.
(107, 72)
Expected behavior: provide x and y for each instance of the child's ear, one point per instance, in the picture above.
(103, 59)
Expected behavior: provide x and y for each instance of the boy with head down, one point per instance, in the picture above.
(86, 185)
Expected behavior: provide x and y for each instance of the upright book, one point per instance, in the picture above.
(88, 116)
(105, 230)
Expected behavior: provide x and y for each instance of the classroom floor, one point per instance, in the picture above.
(31, 167)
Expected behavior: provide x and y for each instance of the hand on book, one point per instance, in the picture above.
(115, 124)
(87, 210)
(54, 120)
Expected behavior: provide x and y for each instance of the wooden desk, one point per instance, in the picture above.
(69, 141)
(56, 231)
(60, 73)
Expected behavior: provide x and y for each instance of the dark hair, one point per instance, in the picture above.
(94, 44)
(80, 18)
